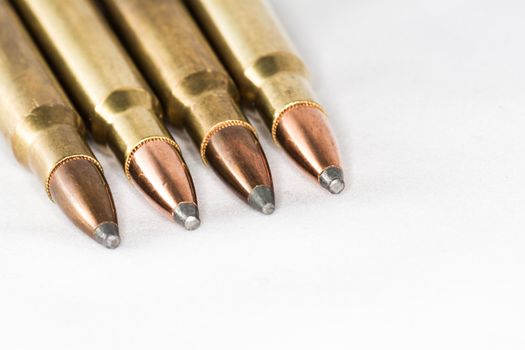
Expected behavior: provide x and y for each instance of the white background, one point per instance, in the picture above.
(425, 249)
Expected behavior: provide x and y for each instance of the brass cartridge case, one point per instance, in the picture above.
(120, 109)
(47, 135)
(118, 105)
(272, 76)
(196, 92)
(258, 54)
(182, 68)
(36, 118)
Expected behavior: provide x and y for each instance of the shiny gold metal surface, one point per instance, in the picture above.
(181, 66)
(45, 132)
(255, 49)
(35, 114)
(269, 72)
(120, 109)
(195, 89)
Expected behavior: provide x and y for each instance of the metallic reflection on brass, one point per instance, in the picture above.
(81, 191)
(119, 107)
(195, 89)
(36, 117)
(47, 135)
(159, 171)
(271, 75)
(237, 157)
(306, 136)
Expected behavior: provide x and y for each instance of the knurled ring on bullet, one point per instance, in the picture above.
(218, 127)
(289, 107)
(67, 160)
(142, 143)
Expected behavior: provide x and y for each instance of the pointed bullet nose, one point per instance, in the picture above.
(332, 179)
(262, 199)
(238, 158)
(159, 171)
(187, 214)
(306, 136)
(81, 191)
(107, 235)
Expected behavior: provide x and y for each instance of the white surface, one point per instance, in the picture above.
(426, 250)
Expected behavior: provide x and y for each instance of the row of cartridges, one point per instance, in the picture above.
(120, 68)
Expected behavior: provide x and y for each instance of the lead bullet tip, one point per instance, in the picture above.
(187, 214)
(262, 199)
(107, 235)
(332, 179)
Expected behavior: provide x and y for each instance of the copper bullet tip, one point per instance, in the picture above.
(107, 235)
(262, 199)
(306, 136)
(237, 157)
(78, 187)
(159, 171)
(187, 214)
